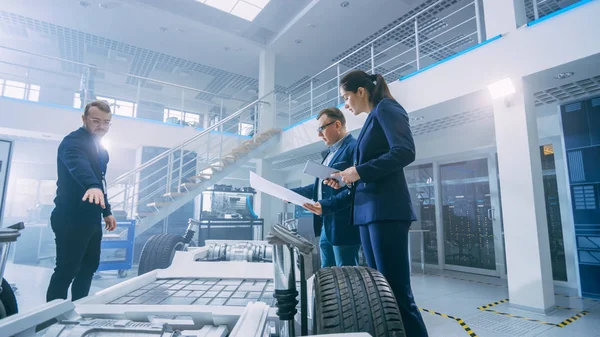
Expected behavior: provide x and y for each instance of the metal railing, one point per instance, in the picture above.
(537, 9)
(434, 33)
(74, 84)
(166, 174)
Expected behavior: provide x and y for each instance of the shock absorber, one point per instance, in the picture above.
(189, 232)
(285, 288)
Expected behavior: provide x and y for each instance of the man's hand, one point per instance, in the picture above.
(111, 223)
(95, 196)
(349, 175)
(315, 208)
(332, 183)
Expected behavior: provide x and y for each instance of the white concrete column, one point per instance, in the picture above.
(503, 16)
(266, 206)
(266, 84)
(529, 268)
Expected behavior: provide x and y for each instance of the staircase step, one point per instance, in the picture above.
(201, 177)
(218, 166)
(189, 186)
(159, 204)
(174, 194)
(146, 214)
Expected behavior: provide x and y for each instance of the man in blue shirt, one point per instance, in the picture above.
(81, 203)
(339, 238)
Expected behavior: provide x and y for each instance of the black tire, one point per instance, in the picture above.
(158, 252)
(355, 299)
(8, 301)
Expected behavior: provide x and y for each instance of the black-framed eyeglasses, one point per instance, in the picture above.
(323, 127)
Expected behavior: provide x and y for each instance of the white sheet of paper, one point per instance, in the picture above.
(261, 184)
(321, 171)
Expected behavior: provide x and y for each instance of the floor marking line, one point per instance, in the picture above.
(493, 304)
(559, 325)
(460, 321)
(572, 319)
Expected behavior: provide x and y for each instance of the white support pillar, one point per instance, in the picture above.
(529, 268)
(266, 84)
(266, 206)
(503, 16)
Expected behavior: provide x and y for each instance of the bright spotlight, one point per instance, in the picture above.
(501, 88)
(105, 144)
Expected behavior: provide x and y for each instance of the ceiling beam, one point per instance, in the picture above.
(292, 22)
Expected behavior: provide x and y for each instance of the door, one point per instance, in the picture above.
(472, 229)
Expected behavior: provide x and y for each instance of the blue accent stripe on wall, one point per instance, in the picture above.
(558, 12)
(451, 57)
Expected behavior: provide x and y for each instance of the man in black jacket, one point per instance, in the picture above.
(81, 202)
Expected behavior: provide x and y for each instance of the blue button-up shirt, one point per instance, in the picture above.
(332, 150)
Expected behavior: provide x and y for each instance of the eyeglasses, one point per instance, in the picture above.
(97, 122)
(323, 127)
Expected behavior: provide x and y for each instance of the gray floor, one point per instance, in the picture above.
(456, 295)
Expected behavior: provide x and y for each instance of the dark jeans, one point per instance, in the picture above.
(337, 255)
(77, 259)
(385, 246)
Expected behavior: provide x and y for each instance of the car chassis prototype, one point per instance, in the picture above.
(217, 291)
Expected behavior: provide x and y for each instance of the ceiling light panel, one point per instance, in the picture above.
(245, 9)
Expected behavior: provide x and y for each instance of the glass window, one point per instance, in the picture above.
(192, 119)
(466, 214)
(173, 116)
(555, 233)
(14, 89)
(245, 129)
(33, 93)
(77, 101)
(124, 108)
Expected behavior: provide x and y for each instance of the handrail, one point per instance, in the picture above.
(187, 142)
(123, 74)
(366, 45)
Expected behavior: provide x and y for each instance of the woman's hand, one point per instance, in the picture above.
(315, 208)
(348, 176)
(332, 183)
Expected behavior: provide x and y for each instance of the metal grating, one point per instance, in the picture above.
(217, 292)
(505, 325)
(452, 121)
(568, 91)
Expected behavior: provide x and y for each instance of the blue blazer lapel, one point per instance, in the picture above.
(341, 150)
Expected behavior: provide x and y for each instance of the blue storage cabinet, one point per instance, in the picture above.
(124, 243)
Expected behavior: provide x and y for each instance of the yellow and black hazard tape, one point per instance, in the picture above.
(560, 325)
(462, 323)
(571, 319)
(471, 281)
(519, 317)
(493, 304)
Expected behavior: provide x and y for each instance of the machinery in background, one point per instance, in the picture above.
(8, 300)
(226, 202)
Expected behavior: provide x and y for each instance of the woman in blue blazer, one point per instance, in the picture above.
(379, 195)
